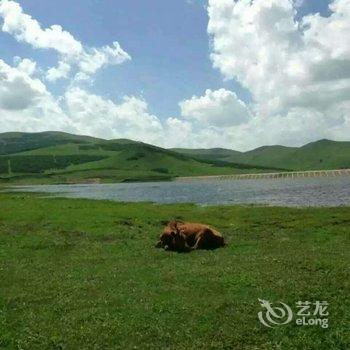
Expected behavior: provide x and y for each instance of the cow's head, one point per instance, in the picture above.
(168, 239)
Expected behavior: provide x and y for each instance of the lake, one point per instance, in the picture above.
(299, 192)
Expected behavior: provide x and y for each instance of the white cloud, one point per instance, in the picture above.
(297, 72)
(18, 90)
(26, 29)
(25, 65)
(298, 3)
(25, 103)
(72, 52)
(95, 59)
(94, 115)
(217, 108)
(183, 133)
(177, 132)
(59, 72)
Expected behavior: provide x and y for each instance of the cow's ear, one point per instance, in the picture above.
(173, 225)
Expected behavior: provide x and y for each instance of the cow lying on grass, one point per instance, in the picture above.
(186, 236)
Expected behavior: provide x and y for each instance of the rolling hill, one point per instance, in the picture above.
(319, 155)
(55, 157)
(14, 142)
(211, 153)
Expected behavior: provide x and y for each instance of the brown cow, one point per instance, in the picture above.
(186, 236)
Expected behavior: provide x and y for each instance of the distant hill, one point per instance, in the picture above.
(14, 142)
(211, 153)
(55, 157)
(319, 155)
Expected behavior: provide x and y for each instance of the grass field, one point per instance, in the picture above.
(79, 274)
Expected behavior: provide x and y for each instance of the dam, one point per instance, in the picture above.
(275, 175)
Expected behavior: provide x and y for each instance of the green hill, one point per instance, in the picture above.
(319, 155)
(53, 157)
(14, 142)
(275, 156)
(211, 153)
(56, 157)
(323, 154)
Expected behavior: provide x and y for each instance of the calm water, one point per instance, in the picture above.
(284, 192)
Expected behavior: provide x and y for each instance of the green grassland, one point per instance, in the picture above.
(80, 274)
(15, 142)
(320, 155)
(56, 157)
(64, 158)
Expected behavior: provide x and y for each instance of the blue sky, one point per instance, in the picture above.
(170, 62)
(167, 40)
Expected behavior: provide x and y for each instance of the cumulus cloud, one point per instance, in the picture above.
(94, 59)
(73, 53)
(27, 105)
(25, 65)
(298, 3)
(59, 72)
(95, 115)
(18, 90)
(178, 133)
(296, 69)
(26, 29)
(217, 108)
(298, 72)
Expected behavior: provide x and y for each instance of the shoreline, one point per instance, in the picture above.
(245, 176)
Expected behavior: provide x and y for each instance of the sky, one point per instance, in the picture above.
(185, 73)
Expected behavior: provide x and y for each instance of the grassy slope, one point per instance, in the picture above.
(323, 154)
(78, 274)
(60, 157)
(116, 160)
(267, 154)
(211, 153)
(14, 142)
